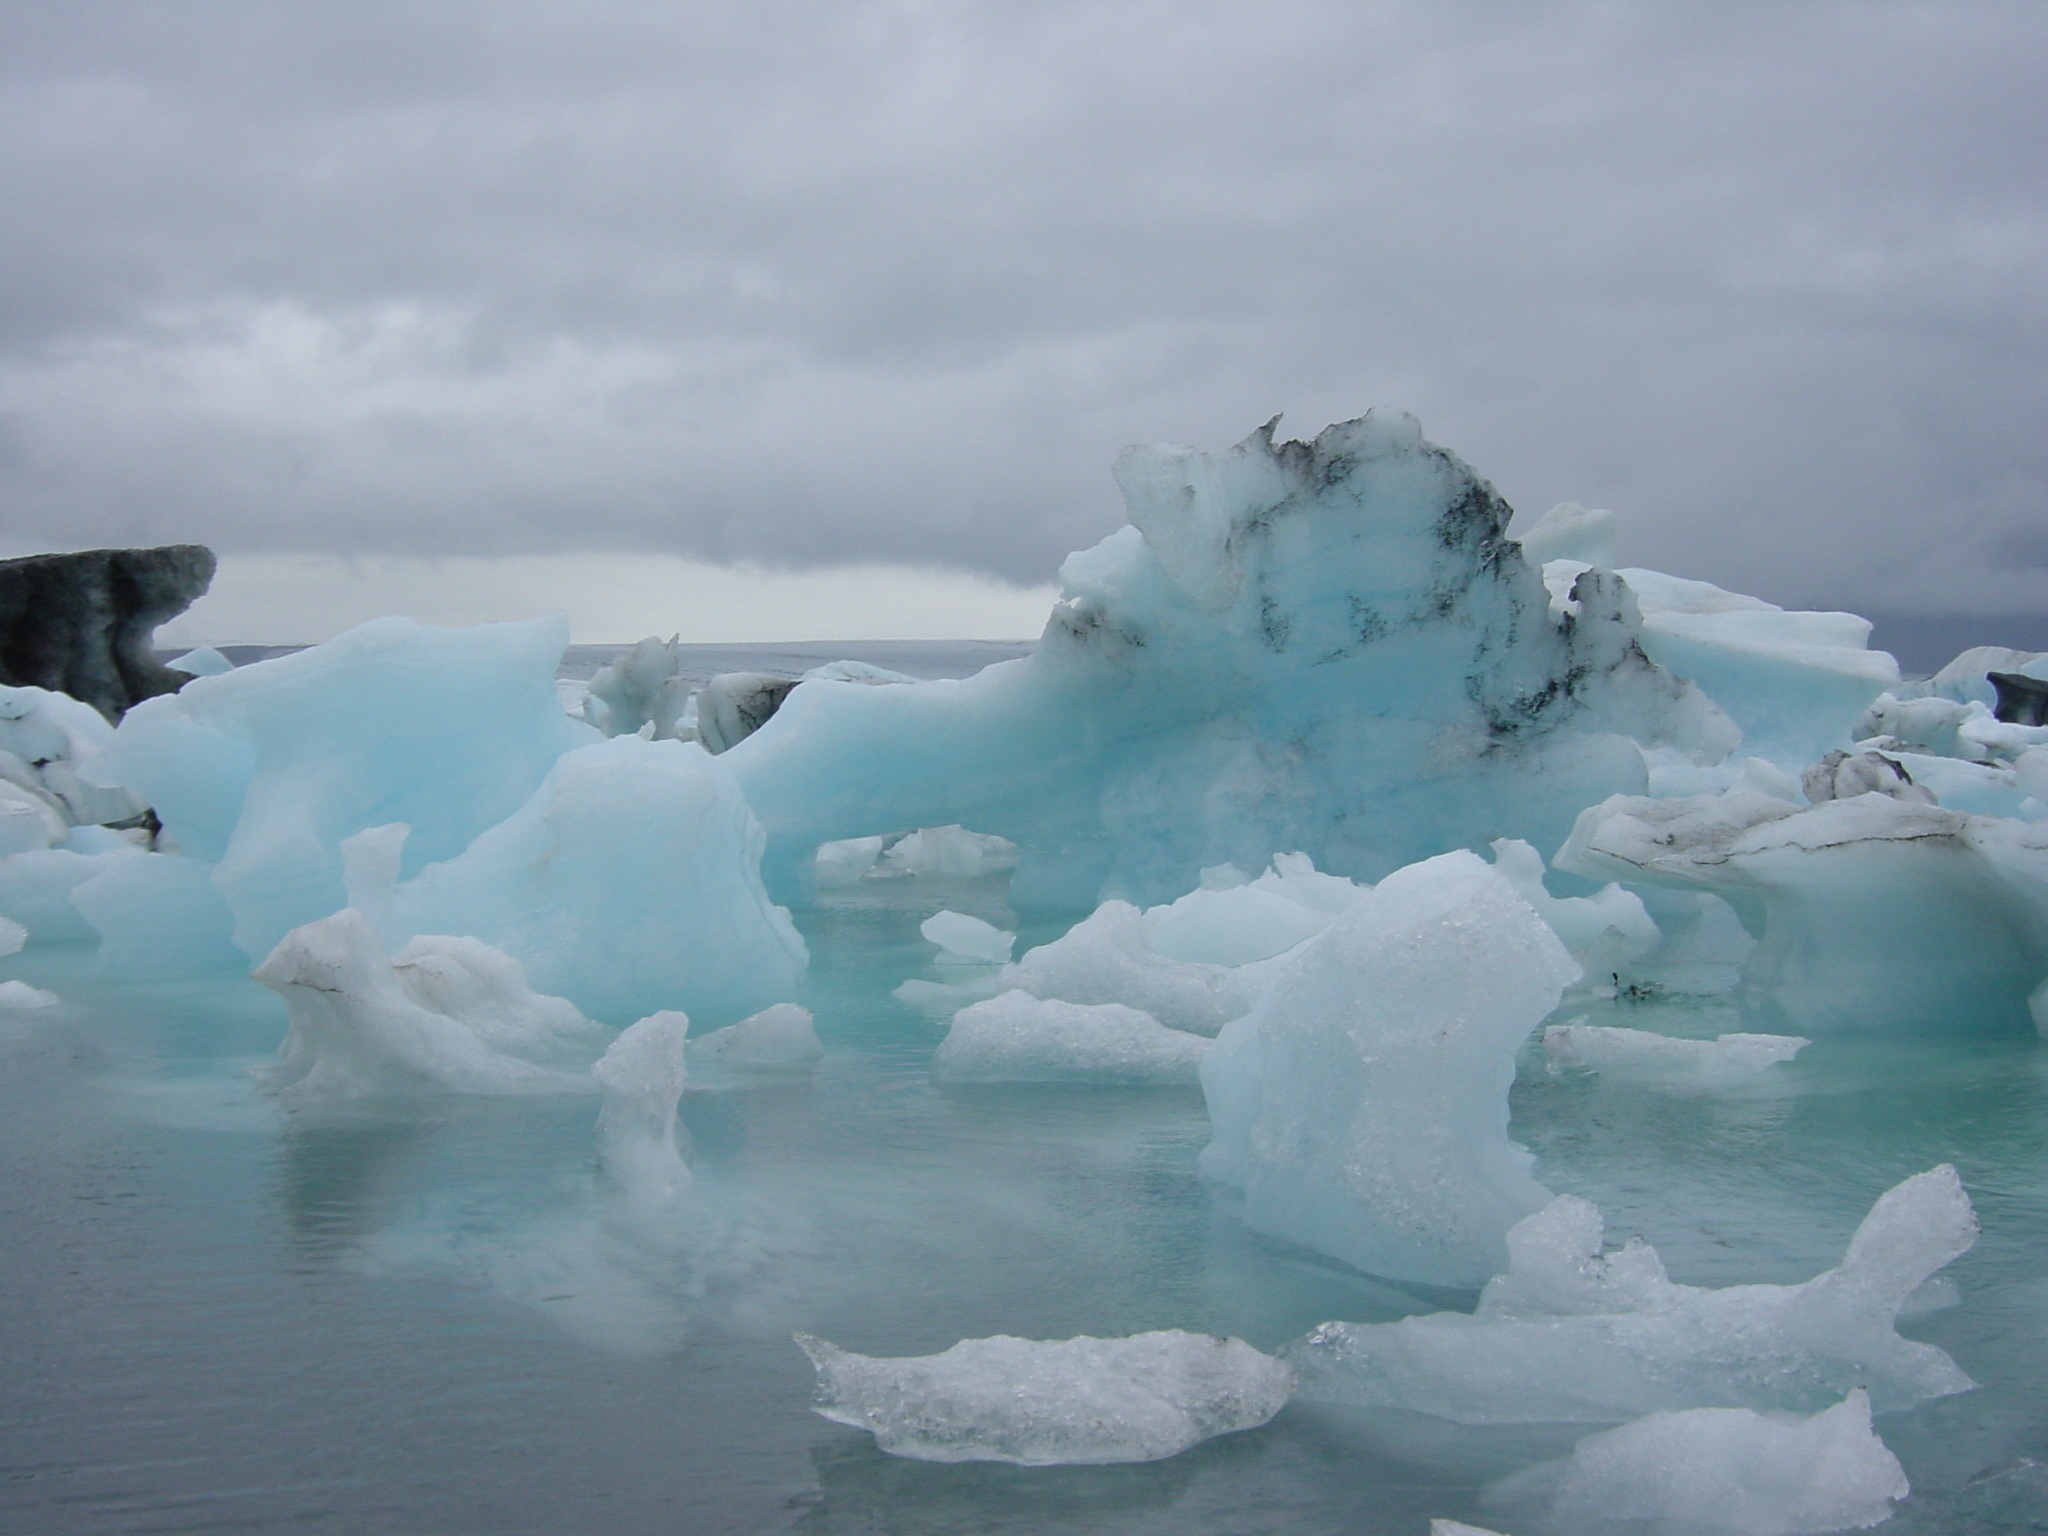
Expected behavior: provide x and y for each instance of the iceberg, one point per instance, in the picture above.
(1732, 1470)
(1328, 646)
(1053, 1402)
(263, 771)
(1362, 1105)
(1018, 1038)
(628, 883)
(1108, 957)
(1568, 1334)
(1873, 912)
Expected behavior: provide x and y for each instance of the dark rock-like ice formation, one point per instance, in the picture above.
(82, 623)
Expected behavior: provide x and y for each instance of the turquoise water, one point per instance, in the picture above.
(418, 1318)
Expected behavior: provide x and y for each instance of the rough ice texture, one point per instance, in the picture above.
(1682, 1066)
(643, 1073)
(1795, 682)
(486, 991)
(1571, 1334)
(734, 705)
(356, 1032)
(44, 736)
(1732, 1470)
(263, 771)
(82, 623)
(1108, 957)
(641, 690)
(1871, 913)
(1053, 1402)
(628, 883)
(965, 940)
(1362, 1106)
(1018, 1038)
(1326, 646)
(781, 1039)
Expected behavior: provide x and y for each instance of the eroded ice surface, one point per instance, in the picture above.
(1053, 1402)
(1571, 1334)
(1732, 1470)
(1362, 1106)
(1018, 1038)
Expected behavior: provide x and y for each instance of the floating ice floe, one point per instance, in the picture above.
(1108, 957)
(1684, 1066)
(20, 997)
(1735, 1471)
(965, 940)
(1018, 1038)
(1362, 1105)
(1571, 1335)
(1053, 1402)
(780, 1040)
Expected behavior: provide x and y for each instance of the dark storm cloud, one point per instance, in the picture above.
(821, 282)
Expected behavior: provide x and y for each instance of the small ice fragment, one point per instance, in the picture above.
(1053, 1402)
(1108, 957)
(1727, 1061)
(203, 661)
(842, 863)
(1018, 1038)
(642, 1074)
(19, 996)
(486, 991)
(1729, 1469)
(965, 940)
(777, 1039)
(1458, 1528)
(950, 851)
(12, 936)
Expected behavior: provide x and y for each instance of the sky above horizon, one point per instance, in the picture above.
(857, 302)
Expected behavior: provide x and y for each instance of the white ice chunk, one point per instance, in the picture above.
(1735, 1471)
(19, 996)
(44, 737)
(1684, 1066)
(486, 991)
(965, 940)
(1107, 957)
(1570, 1334)
(843, 863)
(1363, 1103)
(29, 819)
(1845, 775)
(779, 1039)
(12, 936)
(1018, 1038)
(643, 1074)
(1458, 1528)
(355, 1032)
(640, 689)
(1232, 927)
(1053, 1402)
(203, 661)
(950, 851)
(628, 883)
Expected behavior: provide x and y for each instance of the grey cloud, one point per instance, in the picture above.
(895, 280)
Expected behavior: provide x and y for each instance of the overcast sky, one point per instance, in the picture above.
(887, 283)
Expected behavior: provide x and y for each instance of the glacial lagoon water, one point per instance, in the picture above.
(420, 1318)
